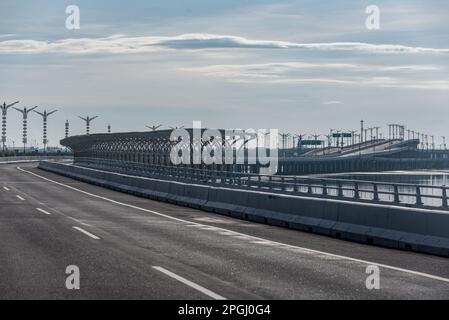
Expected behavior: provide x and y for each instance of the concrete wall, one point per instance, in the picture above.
(420, 230)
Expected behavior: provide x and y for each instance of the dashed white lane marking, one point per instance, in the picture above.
(87, 233)
(297, 248)
(43, 211)
(6, 188)
(20, 198)
(189, 283)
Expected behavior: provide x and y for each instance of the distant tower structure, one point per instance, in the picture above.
(88, 120)
(109, 128)
(24, 113)
(67, 128)
(5, 108)
(44, 116)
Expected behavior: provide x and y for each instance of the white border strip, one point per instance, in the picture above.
(189, 283)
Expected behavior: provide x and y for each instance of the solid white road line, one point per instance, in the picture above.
(20, 198)
(79, 221)
(303, 249)
(43, 211)
(6, 188)
(87, 233)
(191, 284)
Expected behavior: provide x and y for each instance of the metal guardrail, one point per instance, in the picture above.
(410, 195)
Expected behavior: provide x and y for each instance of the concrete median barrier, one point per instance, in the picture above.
(232, 202)
(422, 230)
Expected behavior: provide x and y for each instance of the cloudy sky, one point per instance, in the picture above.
(299, 66)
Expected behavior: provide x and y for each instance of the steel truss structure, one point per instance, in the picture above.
(142, 148)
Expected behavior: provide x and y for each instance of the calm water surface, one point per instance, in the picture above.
(425, 178)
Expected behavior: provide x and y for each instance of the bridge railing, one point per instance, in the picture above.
(410, 195)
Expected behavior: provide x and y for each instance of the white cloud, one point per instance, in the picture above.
(9, 35)
(384, 82)
(332, 102)
(275, 69)
(291, 73)
(118, 44)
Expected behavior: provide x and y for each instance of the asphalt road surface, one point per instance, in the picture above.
(132, 248)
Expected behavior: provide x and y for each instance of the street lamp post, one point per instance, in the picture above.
(299, 143)
(284, 138)
(371, 129)
(331, 134)
(67, 128)
(5, 108)
(338, 137)
(44, 116)
(328, 137)
(361, 131)
(24, 113)
(153, 127)
(353, 132)
(66, 135)
(316, 136)
(377, 132)
(88, 121)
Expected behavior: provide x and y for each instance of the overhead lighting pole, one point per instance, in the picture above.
(88, 121)
(299, 136)
(5, 108)
(67, 128)
(24, 113)
(352, 132)
(338, 133)
(44, 116)
(315, 137)
(361, 131)
(154, 128)
(377, 132)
